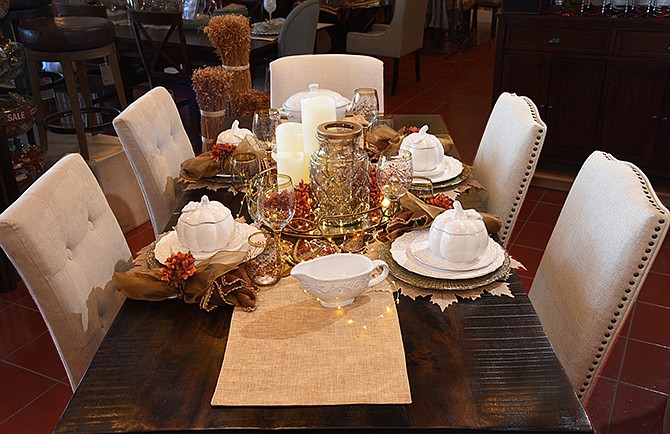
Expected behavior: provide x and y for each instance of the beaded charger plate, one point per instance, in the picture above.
(442, 284)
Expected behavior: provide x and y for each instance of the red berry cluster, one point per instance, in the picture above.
(409, 130)
(376, 195)
(441, 200)
(304, 201)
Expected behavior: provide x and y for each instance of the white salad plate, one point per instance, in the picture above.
(401, 253)
(448, 168)
(169, 244)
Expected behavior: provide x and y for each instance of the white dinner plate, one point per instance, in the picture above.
(448, 168)
(169, 244)
(420, 251)
(400, 254)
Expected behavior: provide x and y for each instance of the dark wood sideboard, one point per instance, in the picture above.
(599, 83)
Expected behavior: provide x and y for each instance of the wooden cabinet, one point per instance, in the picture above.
(599, 83)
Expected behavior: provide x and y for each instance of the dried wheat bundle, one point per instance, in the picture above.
(212, 87)
(230, 35)
(248, 102)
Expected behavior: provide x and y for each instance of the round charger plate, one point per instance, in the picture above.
(448, 168)
(419, 250)
(425, 282)
(169, 244)
(467, 171)
(400, 253)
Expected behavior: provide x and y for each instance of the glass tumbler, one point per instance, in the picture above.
(264, 265)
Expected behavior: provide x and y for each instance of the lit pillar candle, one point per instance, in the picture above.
(315, 111)
(289, 137)
(293, 165)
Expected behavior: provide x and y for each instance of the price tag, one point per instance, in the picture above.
(106, 74)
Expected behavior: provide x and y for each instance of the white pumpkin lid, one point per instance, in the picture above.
(458, 221)
(292, 104)
(204, 212)
(234, 135)
(421, 140)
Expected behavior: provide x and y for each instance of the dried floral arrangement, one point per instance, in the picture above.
(247, 103)
(230, 35)
(212, 86)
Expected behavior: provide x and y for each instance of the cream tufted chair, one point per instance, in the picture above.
(507, 157)
(341, 73)
(404, 35)
(156, 143)
(66, 244)
(607, 235)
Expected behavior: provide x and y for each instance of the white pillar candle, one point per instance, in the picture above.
(289, 137)
(315, 111)
(293, 165)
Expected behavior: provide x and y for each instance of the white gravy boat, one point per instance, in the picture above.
(337, 279)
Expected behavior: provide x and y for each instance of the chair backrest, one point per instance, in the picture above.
(66, 244)
(609, 231)
(405, 31)
(507, 157)
(156, 143)
(341, 73)
(152, 44)
(298, 33)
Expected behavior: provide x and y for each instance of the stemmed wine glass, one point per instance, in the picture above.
(394, 174)
(365, 106)
(263, 127)
(270, 6)
(276, 203)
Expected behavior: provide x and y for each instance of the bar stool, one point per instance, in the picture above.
(71, 40)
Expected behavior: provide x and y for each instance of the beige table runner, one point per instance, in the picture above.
(292, 351)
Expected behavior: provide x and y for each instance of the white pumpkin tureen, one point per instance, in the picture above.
(458, 236)
(234, 135)
(427, 151)
(205, 227)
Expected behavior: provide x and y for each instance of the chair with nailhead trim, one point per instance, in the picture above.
(607, 236)
(66, 244)
(507, 157)
(155, 141)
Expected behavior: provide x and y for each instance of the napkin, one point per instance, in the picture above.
(416, 215)
(203, 166)
(217, 281)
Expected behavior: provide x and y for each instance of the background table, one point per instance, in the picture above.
(479, 366)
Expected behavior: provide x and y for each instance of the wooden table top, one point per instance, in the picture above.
(480, 366)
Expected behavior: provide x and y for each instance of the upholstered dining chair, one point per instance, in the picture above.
(507, 157)
(66, 244)
(607, 235)
(341, 73)
(156, 143)
(298, 33)
(402, 36)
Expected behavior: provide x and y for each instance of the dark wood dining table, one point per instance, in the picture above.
(479, 366)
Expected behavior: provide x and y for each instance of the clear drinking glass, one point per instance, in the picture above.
(245, 166)
(264, 264)
(421, 187)
(365, 106)
(394, 173)
(252, 192)
(263, 127)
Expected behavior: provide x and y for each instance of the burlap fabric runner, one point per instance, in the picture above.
(292, 351)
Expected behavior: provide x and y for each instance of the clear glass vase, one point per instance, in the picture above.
(340, 173)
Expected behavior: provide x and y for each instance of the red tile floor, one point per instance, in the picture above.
(630, 396)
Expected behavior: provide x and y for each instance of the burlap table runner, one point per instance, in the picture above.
(292, 351)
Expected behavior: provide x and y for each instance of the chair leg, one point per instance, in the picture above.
(473, 26)
(417, 65)
(396, 68)
(71, 87)
(494, 22)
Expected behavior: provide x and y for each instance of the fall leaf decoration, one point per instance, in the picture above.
(219, 151)
(178, 268)
(441, 200)
(304, 201)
